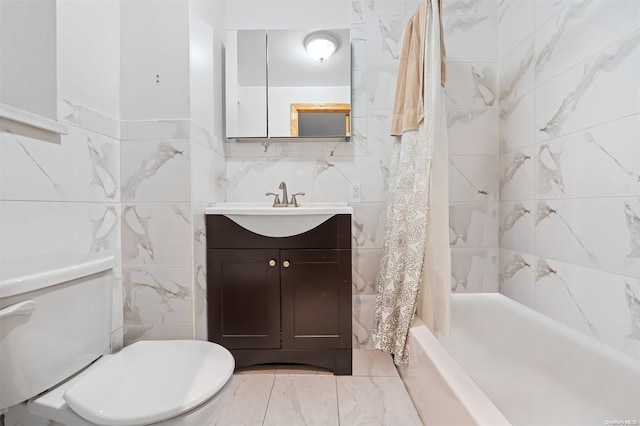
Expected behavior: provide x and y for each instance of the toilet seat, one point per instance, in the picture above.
(147, 382)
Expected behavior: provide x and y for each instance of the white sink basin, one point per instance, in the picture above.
(263, 219)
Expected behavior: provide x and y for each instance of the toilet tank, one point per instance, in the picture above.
(55, 318)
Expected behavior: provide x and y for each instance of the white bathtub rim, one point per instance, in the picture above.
(625, 366)
(480, 408)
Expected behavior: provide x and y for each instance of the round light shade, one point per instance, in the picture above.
(320, 46)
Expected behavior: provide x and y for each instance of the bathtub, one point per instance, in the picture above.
(504, 363)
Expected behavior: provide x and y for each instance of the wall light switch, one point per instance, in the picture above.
(354, 193)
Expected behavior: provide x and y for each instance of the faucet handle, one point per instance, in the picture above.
(294, 202)
(276, 200)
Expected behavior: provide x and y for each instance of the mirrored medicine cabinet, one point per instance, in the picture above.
(275, 89)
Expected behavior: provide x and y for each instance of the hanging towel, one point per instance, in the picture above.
(408, 106)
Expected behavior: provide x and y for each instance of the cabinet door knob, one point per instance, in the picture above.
(285, 263)
(272, 262)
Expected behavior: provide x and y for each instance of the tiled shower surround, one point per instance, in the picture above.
(543, 103)
(570, 163)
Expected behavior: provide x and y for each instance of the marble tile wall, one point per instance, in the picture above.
(207, 186)
(569, 175)
(63, 194)
(156, 229)
(64, 197)
(471, 95)
(171, 171)
(206, 34)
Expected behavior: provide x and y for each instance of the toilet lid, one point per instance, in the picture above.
(151, 381)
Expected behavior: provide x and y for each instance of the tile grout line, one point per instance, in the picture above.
(273, 384)
(337, 397)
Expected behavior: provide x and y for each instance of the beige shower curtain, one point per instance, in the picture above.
(415, 269)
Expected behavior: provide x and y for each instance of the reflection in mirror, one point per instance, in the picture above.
(321, 124)
(297, 78)
(320, 120)
(246, 84)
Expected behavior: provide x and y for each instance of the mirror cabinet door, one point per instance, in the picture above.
(295, 78)
(246, 84)
(275, 89)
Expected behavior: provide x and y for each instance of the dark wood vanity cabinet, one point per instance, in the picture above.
(281, 300)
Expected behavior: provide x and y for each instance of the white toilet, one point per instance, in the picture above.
(55, 332)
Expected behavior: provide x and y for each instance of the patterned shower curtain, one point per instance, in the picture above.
(416, 258)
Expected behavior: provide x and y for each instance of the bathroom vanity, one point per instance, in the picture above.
(279, 285)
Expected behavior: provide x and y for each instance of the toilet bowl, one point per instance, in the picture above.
(174, 382)
(55, 328)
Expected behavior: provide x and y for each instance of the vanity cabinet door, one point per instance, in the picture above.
(316, 299)
(244, 304)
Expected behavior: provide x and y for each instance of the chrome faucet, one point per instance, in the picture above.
(285, 197)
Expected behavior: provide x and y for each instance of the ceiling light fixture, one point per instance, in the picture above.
(320, 46)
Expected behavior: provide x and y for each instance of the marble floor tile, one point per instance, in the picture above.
(375, 401)
(246, 401)
(373, 363)
(303, 400)
(290, 394)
